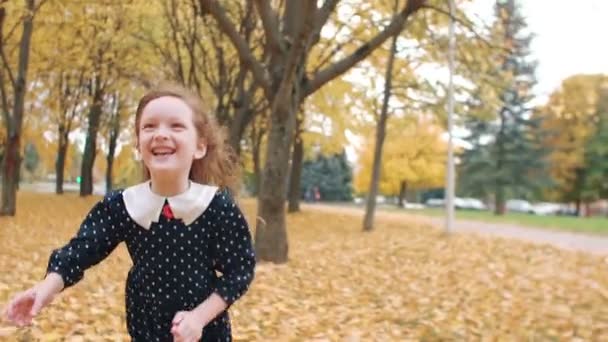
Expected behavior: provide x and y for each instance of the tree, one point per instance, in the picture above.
(595, 185)
(331, 176)
(415, 158)
(572, 117)
(282, 75)
(31, 158)
(13, 119)
(506, 157)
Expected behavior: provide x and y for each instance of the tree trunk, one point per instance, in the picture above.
(499, 199)
(241, 119)
(110, 161)
(62, 149)
(296, 174)
(10, 176)
(370, 208)
(90, 146)
(271, 235)
(12, 160)
(114, 132)
(402, 194)
(243, 111)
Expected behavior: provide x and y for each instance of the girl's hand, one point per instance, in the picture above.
(27, 304)
(187, 327)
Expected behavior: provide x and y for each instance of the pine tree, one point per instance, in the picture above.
(506, 158)
(330, 175)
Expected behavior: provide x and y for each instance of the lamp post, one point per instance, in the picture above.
(449, 203)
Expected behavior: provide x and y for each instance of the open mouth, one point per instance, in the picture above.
(162, 151)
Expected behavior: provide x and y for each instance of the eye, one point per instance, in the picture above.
(178, 125)
(147, 126)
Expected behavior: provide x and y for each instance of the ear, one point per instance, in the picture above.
(201, 150)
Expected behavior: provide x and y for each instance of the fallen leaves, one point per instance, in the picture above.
(403, 281)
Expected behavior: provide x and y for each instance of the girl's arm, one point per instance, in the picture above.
(234, 255)
(209, 309)
(98, 236)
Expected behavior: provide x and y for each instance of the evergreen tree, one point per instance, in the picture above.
(506, 158)
(32, 158)
(330, 177)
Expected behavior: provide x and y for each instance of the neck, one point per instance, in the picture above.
(169, 186)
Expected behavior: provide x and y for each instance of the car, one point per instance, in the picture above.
(519, 205)
(415, 206)
(435, 202)
(545, 208)
(475, 204)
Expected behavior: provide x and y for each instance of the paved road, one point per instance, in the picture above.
(566, 240)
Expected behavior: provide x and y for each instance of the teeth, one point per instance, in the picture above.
(164, 153)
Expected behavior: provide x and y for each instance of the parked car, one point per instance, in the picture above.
(519, 205)
(412, 205)
(473, 204)
(435, 202)
(546, 208)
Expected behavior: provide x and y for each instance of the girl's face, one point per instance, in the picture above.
(168, 141)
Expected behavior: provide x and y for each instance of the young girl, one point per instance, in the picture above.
(189, 242)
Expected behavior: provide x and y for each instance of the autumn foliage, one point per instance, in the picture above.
(401, 282)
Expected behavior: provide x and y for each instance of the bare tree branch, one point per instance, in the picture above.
(245, 54)
(270, 24)
(300, 42)
(338, 68)
(323, 15)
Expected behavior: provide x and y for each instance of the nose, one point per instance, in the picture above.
(161, 134)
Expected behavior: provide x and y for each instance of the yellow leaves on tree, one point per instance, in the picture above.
(414, 152)
(569, 118)
(327, 118)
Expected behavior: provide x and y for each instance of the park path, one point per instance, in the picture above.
(566, 240)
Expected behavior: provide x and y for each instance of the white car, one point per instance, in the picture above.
(546, 208)
(473, 203)
(435, 202)
(518, 205)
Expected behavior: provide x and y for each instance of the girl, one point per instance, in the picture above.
(189, 242)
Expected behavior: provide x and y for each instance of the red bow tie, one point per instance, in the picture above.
(167, 212)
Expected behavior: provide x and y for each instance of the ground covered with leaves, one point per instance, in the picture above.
(403, 281)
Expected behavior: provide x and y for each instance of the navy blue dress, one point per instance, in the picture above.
(175, 266)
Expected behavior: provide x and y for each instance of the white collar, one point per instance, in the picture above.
(145, 207)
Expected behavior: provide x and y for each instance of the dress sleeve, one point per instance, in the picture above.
(97, 237)
(234, 255)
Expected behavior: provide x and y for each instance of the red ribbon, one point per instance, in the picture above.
(167, 212)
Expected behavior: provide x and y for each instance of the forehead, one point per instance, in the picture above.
(166, 106)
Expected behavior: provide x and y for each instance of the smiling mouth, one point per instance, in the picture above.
(162, 152)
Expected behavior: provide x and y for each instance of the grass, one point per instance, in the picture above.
(589, 225)
(593, 225)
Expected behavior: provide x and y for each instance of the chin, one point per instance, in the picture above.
(161, 170)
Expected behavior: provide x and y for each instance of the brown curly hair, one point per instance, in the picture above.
(220, 166)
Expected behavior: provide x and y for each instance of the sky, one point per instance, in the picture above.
(570, 38)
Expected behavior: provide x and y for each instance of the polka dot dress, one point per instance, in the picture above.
(175, 266)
